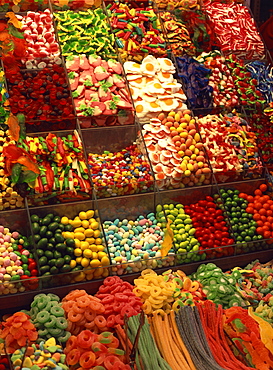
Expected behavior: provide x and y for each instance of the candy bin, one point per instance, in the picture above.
(201, 229)
(56, 169)
(241, 35)
(117, 161)
(18, 267)
(134, 236)
(69, 243)
(176, 151)
(248, 206)
(137, 29)
(100, 92)
(154, 88)
(85, 32)
(230, 144)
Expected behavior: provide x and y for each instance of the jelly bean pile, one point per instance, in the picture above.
(120, 173)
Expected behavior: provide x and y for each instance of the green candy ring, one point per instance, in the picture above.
(42, 317)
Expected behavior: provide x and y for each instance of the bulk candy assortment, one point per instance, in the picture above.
(90, 65)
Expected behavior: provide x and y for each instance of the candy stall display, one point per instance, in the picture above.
(75, 70)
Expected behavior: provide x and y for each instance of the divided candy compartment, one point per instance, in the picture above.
(176, 161)
(18, 263)
(236, 155)
(100, 91)
(249, 227)
(70, 243)
(64, 174)
(133, 234)
(201, 229)
(242, 37)
(43, 95)
(144, 34)
(117, 161)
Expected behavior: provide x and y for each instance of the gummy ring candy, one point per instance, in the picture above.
(74, 294)
(42, 302)
(65, 337)
(87, 359)
(110, 361)
(42, 317)
(119, 319)
(74, 317)
(83, 301)
(42, 332)
(97, 346)
(95, 306)
(78, 309)
(100, 321)
(155, 291)
(121, 297)
(108, 300)
(34, 311)
(100, 360)
(53, 297)
(71, 343)
(118, 306)
(86, 339)
(89, 315)
(57, 311)
(128, 310)
(50, 304)
(72, 357)
(90, 325)
(67, 306)
(61, 323)
(51, 322)
(55, 332)
(114, 343)
(111, 321)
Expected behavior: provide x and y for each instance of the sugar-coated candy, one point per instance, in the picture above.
(223, 87)
(118, 299)
(17, 331)
(49, 318)
(89, 349)
(246, 86)
(39, 34)
(46, 354)
(135, 244)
